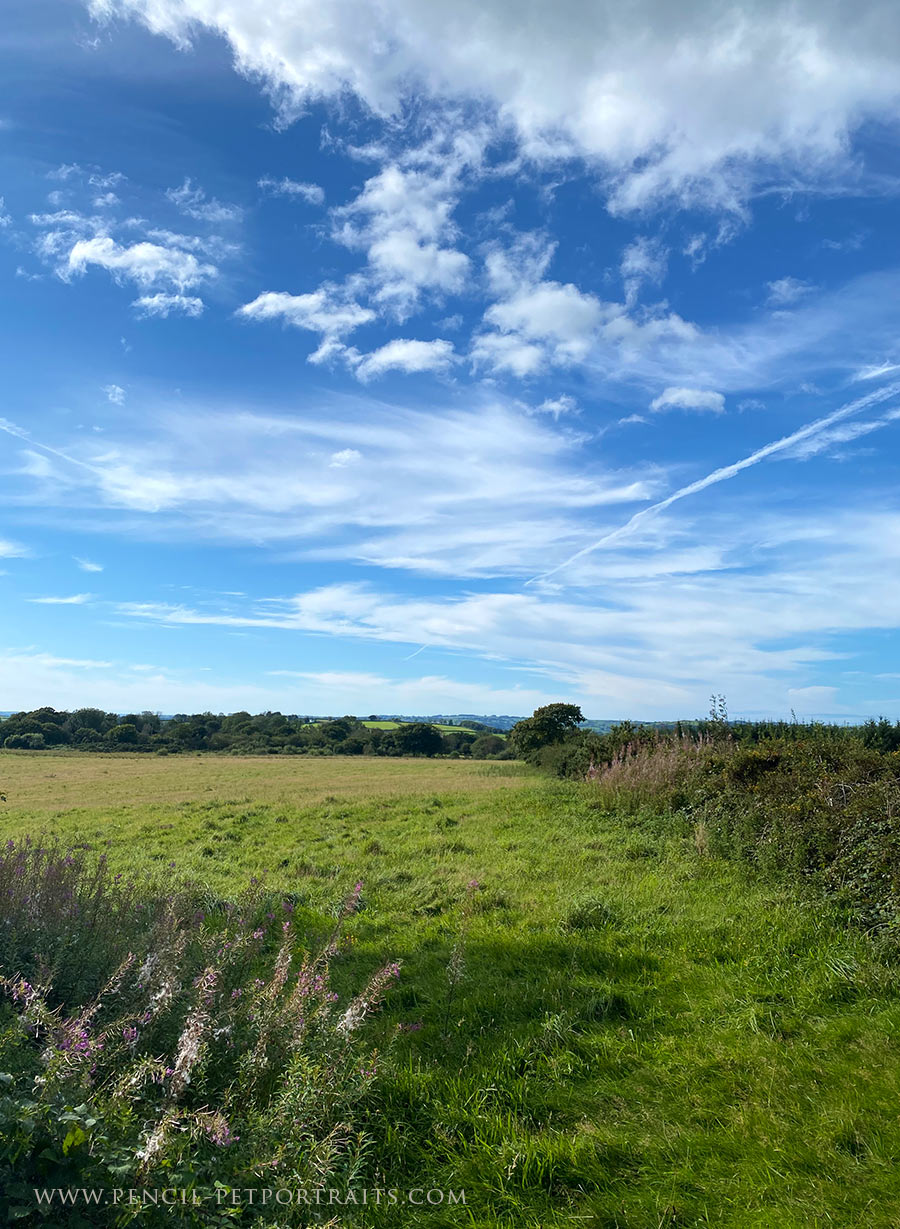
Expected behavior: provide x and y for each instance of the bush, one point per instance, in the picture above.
(25, 742)
(806, 807)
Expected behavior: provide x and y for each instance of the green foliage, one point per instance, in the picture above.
(90, 729)
(546, 727)
(814, 806)
(219, 1050)
(597, 1023)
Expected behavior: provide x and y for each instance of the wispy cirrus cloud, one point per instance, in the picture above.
(261, 477)
(163, 305)
(311, 193)
(74, 599)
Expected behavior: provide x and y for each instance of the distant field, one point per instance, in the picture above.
(641, 1037)
(445, 729)
(47, 781)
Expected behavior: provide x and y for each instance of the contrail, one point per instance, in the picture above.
(726, 472)
(20, 433)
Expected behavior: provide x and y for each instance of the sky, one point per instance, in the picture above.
(451, 357)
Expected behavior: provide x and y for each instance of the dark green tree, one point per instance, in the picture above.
(553, 723)
(418, 738)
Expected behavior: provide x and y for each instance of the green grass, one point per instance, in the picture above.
(641, 1037)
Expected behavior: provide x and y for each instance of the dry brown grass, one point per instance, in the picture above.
(47, 781)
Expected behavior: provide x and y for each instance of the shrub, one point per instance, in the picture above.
(805, 806)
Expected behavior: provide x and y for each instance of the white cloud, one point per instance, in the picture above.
(169, 304)
(787, 290)
(748, 97)
(403, 221)
(103, 180)
(562, 316)
(688, 399)
(876, 371)
(12, 550)
(114, 393)
(344, 457)
(329, 311)
(808, 701)
(793, 444)
(269, 479)
(5, 219)
(31, 678)
(147, 264)
(87, 565)
(538, 323)
(76, 599)
(194, 203)
(644, 260)
(756, 632)
(557, 406)
(503, 352)
(309, 192)
(403, 354)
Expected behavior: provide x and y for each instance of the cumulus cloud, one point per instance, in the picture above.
(769, 94)
(164, 305)
(688, 399)
(329, 311)
(114, 393)
(538, 322)
(147, 264)
(403, 354)
(403, 221)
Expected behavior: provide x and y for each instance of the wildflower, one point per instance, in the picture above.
(217, 1128)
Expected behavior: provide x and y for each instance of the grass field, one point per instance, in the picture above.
(637, 1035)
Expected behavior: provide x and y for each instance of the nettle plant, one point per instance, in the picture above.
(217, 1054)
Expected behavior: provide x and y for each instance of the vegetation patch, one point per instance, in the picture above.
(714, 1051)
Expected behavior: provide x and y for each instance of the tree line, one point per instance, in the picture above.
(92, 729)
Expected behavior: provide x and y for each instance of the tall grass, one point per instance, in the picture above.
(816, 811)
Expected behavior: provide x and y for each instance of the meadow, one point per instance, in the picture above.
(597, 1022)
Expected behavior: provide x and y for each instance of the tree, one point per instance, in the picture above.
(553, 723)
(486, 745)
(418, 738)
(124, 735)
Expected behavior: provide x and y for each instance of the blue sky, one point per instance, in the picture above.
(450, 357)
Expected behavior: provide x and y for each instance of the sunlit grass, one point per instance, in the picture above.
(639, 1035)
